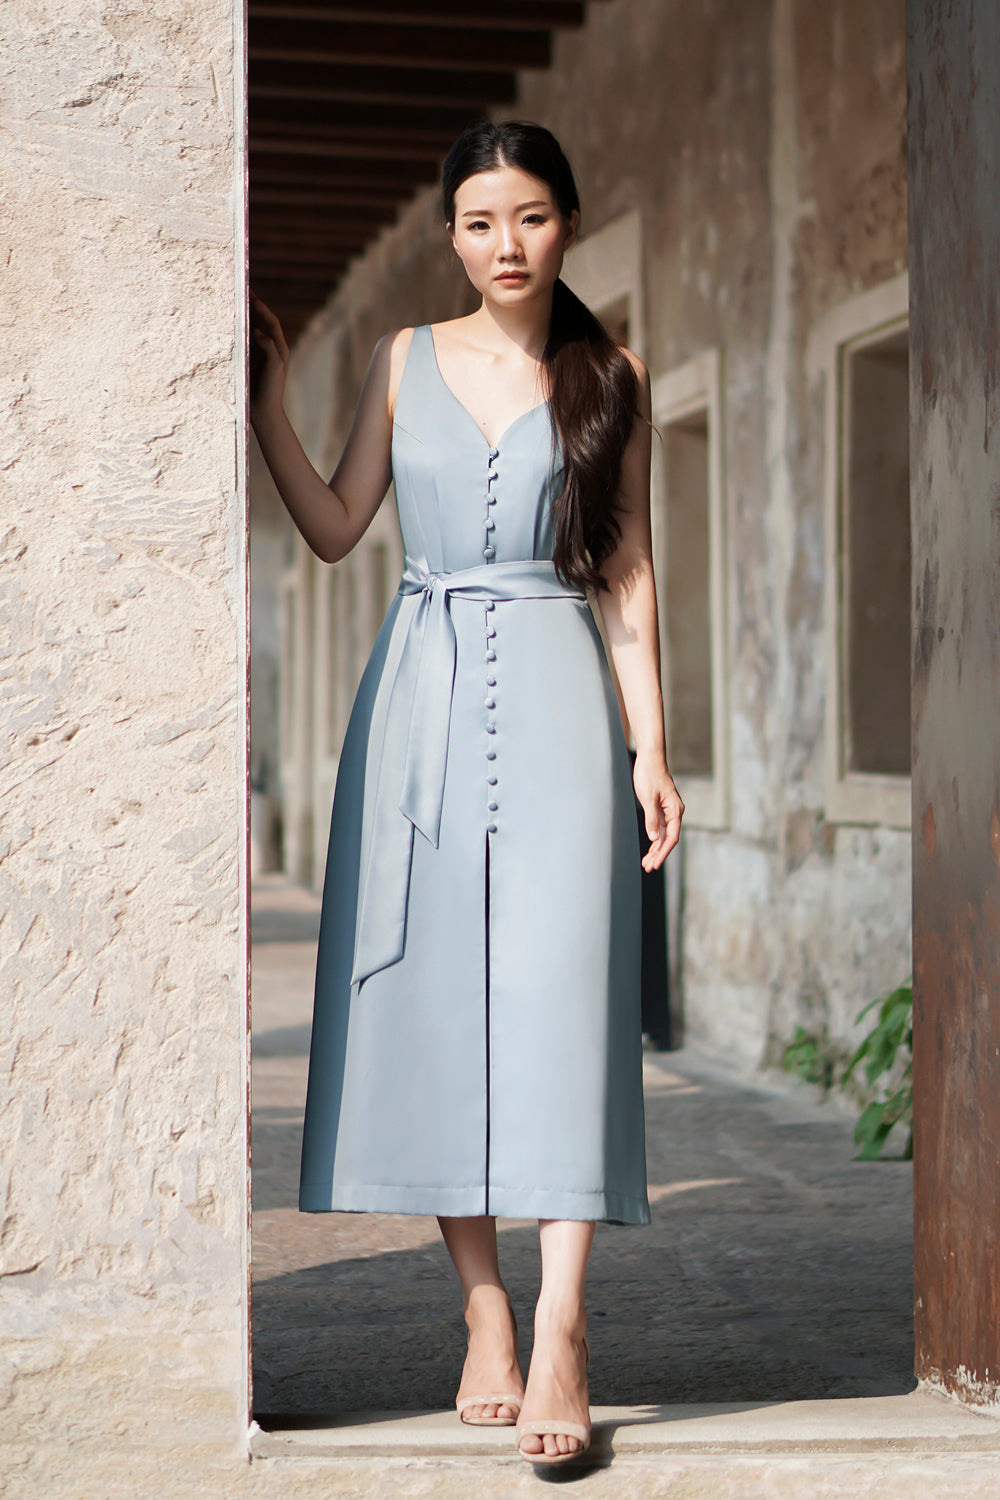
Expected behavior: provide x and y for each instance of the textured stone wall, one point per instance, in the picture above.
(122, 761)
(764, 146)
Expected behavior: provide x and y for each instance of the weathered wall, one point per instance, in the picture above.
(122, 770)
(764, 147)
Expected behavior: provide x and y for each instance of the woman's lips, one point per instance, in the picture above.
(513, 276)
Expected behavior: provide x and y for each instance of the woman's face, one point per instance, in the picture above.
(510, 235)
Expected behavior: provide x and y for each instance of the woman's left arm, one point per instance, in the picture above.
(628, 609)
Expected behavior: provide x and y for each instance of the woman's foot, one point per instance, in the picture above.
(491, 1366)
(556, 1390)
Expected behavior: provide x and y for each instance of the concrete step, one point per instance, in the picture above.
(886, 1448)
(921, 1422)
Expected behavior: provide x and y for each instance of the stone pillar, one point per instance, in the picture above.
(123, 968)
(954, 211)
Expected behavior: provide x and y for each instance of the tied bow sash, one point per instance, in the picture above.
(404, 789)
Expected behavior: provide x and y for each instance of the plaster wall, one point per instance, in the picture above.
(122, 769)
(764, 147)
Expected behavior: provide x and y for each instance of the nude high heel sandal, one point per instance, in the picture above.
(501, 1400)
(550, 1425)
(463, 1402)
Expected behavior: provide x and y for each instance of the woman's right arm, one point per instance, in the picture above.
(331, 517)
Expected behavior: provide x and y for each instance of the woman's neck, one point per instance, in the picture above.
(526, 326)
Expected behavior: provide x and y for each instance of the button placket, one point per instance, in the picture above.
(489, 701)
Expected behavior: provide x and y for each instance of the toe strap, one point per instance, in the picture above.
(552, 1427)
(462, 1402)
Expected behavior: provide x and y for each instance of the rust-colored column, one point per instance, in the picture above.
(953, 62)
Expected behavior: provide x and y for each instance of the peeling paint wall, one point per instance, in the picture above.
(764, 147)
(122, 763)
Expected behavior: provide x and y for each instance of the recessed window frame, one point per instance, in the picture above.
(693, 389)
(604, 269)
(859, 323)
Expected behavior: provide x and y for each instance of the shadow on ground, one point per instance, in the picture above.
(776, 1268)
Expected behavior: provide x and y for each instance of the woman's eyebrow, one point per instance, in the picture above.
(487, 213)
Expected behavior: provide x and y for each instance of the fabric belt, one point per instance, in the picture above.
(404, 787)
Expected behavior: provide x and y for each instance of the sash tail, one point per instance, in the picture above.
(408, 788)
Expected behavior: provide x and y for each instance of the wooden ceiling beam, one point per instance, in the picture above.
(277, 204)
(333, 248)
(295, 168)
(330, 251)
(531, 15)
(307, 263)
(344, 144)
(300, 193)
(417, 159)
(274, 246)
(297, 291)
(339, 232)
(294, 314)
(441, 120)
(404, 46)
(470, 88)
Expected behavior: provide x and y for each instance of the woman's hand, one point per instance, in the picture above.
(661, 803)
(268, 359)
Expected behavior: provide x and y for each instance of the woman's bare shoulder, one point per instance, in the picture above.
(642, 384)
(641, 373)
(388, 358)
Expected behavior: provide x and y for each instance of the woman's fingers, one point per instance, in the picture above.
(263, 319)
(663, 828)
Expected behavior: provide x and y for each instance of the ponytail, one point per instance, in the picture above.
(593, 400)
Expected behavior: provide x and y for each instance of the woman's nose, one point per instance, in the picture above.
(510, 244)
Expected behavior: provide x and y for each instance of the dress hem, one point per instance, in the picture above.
(506, 1203)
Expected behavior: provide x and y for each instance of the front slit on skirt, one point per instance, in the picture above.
(487, 966)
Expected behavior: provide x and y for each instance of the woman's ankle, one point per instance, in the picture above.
(487, 1300)
(560, 1316)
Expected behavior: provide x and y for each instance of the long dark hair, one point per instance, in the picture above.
(592, 384)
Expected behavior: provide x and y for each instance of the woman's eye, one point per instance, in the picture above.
(534, 218)
(479, 224)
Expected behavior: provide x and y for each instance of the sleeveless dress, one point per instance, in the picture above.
(476, 1040)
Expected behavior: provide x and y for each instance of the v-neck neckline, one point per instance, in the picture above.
(493, 446)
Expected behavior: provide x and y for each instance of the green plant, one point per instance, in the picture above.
(887, 1054)
(889, 1040)
(812, 1058)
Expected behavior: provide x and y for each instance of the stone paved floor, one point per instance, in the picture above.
(776, 1267)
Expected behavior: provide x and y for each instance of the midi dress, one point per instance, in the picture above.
(476, 1040)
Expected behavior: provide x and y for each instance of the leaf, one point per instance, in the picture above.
(888, 1044)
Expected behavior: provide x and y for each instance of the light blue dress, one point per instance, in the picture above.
(476, 1042)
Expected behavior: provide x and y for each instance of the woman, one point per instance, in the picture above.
(476, 1045)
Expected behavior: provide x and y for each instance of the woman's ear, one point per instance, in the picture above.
(573, 221)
